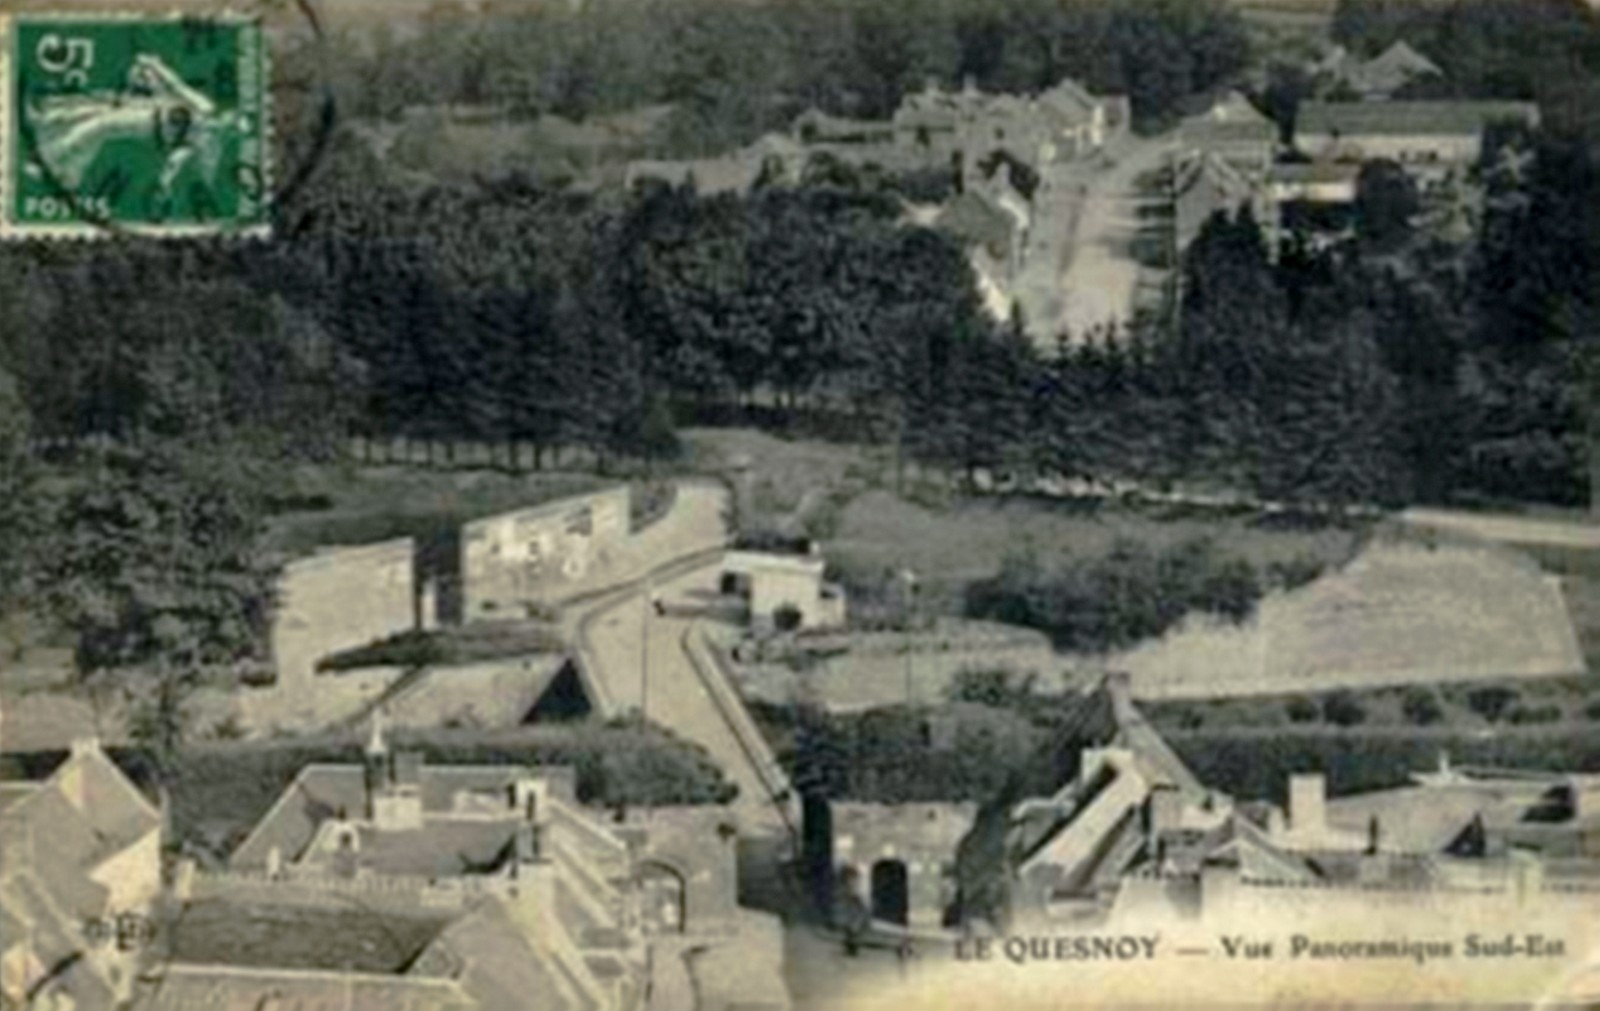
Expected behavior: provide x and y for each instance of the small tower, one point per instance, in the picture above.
(393, 783)
(378, 771)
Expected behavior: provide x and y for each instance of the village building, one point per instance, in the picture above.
(1381, 78)
(477, 887)
(1221, 164)
(966, 127)
(783, 586)
(1134, 833)
(514, 563)
(1233, 131)
(80, 873)
(1429, 139)
(773, 159)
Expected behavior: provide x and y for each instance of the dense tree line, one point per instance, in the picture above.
(1393, 366)
(735, 70)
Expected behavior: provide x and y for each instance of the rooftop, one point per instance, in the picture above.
(1408, 118)
(321, 792)
(361, 939)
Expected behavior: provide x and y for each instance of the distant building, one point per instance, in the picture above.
(1134, 833)
(1221, 165)
(1383, 76)
(80, 872)
(516, 561)
(774, 158)
(968, 126)
(1210, 185)
(1233, 131)
(774, 581)
(1428, 138)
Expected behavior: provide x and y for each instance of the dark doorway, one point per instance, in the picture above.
(890, 898)
(665, 898)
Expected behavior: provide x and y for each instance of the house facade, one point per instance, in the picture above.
(80, 873)
(1427, 138)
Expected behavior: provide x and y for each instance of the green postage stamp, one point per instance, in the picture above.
(135, 124)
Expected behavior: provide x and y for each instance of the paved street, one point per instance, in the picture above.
(639, 658)
(1101, 279)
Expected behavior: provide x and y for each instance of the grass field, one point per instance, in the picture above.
(1580, 583)
(970, 539)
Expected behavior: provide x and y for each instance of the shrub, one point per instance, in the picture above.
(1592, 710)
(787, 618)
(997, 687)
(1295, 572)
(1422, 706)
(1129, 594)
(1301, 710)
(1187, 717)
(1520, 714)
(1343, 709)
(1492, 702)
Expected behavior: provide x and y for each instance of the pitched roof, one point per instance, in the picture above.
(1071, 100)
(362, 938)
(60, 831)
(1426, 819)
(977, 222)
(1391, 70)
(1231, 120)
(321, 791)
(497, 964)
(1408, 118)
(444, 847)
(33, 913)
(231, 988)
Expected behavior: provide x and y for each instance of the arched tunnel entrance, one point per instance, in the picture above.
(891, 899)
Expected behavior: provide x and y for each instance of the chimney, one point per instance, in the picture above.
(1164, 810)
(930, 85)
(1307, 794)
(969, 85)
(1584, 792)
(530, 800)
(1276, 827)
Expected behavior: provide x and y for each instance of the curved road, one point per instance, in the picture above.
(637, 659)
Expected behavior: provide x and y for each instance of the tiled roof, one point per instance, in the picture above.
(974, 220)
(227, 988)
(31, 912)
(358, 938)
(1070, 99)
(320, 792)
(1391, 70)
(441, 848)
(62, 830)
(1407, 118)
(11, 793)
(1426, 819)
(498, 966)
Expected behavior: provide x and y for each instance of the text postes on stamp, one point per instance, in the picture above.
(133, 124)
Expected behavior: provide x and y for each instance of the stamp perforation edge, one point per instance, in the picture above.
(12, 231)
